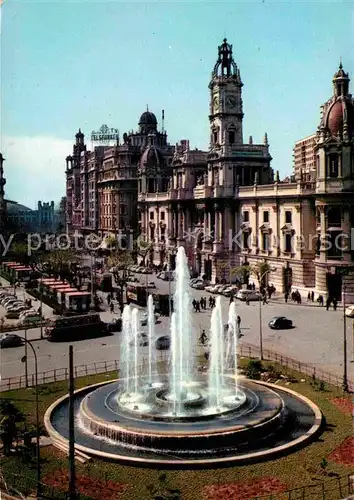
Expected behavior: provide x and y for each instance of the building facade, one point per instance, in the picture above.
(228, 209)
(24, 219)
(304, 155)
(225, 205)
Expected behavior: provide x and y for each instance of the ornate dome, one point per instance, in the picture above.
(339, 113)
(147, 122)
(151, 158)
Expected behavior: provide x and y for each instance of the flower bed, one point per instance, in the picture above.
(344, 404)
(244, 490)
(92, 487)
(344, 453)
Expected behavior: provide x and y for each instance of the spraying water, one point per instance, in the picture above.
(135, 333)
(151, 334)
(216, 355)
(174, 351)
(182, 354)
(126, 346)
(233, 340)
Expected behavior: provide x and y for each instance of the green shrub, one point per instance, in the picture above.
(254, 369)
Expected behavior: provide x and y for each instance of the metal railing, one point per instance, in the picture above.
(332, 489)
(245, 350)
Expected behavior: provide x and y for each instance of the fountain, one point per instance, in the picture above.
(184, 416)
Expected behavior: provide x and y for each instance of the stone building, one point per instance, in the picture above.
(227, 209)
(305, 158)
(102, 185)
(225, 205)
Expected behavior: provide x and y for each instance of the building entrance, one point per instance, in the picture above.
(334, 286)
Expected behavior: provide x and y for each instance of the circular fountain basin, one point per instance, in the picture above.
(260, 421)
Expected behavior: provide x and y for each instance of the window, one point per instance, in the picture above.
(231, 136)
(152, 215)
(245, 241)
(265, 242)
(288, 242)
(215, 137)
(151, 185)
(162, 215)
(265, 216)
(246, 216)
(333, 165)
(152, 233)
(288, 218)
(123, 210)
(162, 234)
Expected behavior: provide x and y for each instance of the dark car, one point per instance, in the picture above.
(280, 322)
(10, 340)
(163, 343)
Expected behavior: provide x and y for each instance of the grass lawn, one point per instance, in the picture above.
(295, 470)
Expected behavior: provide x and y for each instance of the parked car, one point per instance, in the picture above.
(163, 343)
(280, 323)
(230, 290)
(151, 284)
(198, 286)
(349, 311)
(248, 295)
(10, 340)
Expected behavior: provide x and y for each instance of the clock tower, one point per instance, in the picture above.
(225, 102)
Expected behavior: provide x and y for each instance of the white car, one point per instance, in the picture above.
(349, 311)
(248, 295)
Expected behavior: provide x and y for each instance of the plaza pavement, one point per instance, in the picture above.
(317, 337)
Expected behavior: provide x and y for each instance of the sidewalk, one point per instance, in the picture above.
(280, 300)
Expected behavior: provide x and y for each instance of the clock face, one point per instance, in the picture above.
(231, 101)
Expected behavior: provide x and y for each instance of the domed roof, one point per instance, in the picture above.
(148, 118)
(13, 207)
(151, 158)
(341, 111)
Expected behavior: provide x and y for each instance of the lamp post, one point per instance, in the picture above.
(260, 312)
(345, 353)
(24, 359)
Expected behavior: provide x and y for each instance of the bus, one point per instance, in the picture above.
(73, 328)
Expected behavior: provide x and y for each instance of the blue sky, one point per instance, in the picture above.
(68, 64)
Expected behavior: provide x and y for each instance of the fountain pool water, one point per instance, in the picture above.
(184, 416)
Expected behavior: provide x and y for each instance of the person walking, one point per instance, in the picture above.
(111, 306)
(238, 324)
(286, 296)
(312, 296)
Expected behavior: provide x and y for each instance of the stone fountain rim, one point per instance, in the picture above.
(59, 440)
(268, 418)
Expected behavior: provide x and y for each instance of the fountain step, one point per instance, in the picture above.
(79, 455)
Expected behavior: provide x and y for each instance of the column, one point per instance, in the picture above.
(217, 225)
(323, 233)
(175, 223)
(169, 223)
(346, 230)
(180, 223)
(221, 221)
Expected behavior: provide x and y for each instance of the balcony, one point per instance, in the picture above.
(202, 192)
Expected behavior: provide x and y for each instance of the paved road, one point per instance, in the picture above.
(317, 338)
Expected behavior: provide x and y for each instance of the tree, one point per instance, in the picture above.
(143, 247)
(120, 260)
(62, 264)
(10, 417)
(259, 270)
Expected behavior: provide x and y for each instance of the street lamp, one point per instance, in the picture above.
(260, 312)
(345, 354)
(24, 360)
